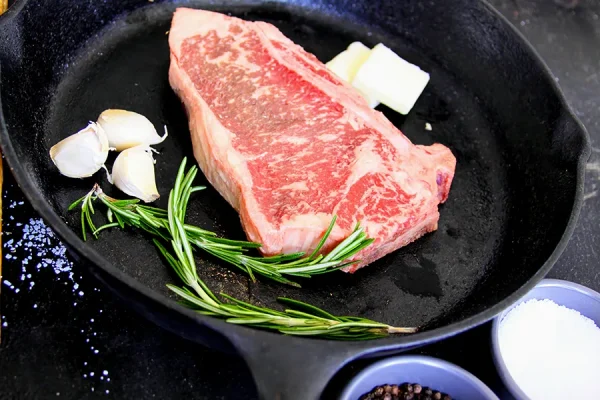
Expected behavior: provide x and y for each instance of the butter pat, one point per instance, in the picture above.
(347, 63)
(390, 79)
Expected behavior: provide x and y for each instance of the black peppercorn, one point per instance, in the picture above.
(405, 391)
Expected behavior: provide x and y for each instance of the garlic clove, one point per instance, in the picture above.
(82, 154)
(126, 129)
(133, 173)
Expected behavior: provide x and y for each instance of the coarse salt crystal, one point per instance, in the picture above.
(550, 350)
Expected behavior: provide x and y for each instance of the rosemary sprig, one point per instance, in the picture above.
(169, 226)
(157, 222)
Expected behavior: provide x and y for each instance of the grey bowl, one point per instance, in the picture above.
(427, 371)
(564, 293)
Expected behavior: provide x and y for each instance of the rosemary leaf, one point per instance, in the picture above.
(299, 305)
(169, 230)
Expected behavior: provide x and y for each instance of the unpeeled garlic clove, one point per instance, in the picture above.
(133, 173)
(125, 129)
(81, 154)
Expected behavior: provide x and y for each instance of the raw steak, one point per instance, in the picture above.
(289, 145)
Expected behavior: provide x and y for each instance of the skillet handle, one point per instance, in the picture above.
(290, 368)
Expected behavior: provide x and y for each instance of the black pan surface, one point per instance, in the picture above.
(127, 67)
(512, 205)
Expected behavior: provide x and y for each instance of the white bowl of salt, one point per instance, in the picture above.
(547, 345)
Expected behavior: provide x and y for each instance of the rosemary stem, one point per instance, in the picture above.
(168, 226)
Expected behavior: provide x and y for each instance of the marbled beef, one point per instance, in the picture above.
(289, 145)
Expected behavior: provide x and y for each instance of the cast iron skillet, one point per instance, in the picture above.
(512, 207)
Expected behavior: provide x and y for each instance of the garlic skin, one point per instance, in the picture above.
(82, 154)
(126, 129)
(133, 173)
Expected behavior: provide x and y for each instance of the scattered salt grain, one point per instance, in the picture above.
(39, 249)
(39, 243)
(550, 350)
(428, 126)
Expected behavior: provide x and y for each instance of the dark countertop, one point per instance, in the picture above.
(62, 337)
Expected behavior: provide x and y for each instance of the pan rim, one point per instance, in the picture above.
(77, 245)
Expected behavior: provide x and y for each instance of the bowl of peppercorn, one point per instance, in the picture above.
(416, 378)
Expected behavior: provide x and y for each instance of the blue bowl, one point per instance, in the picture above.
(564, 293)
(427, 371)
